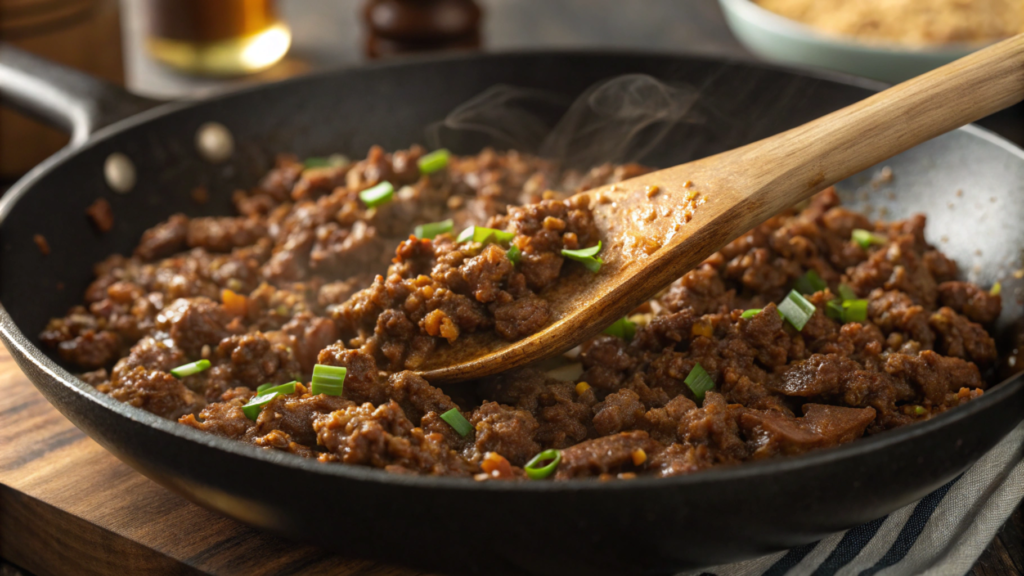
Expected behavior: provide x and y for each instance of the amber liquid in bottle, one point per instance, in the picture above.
(216, 37)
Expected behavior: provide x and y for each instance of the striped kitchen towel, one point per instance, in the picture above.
(942, 534)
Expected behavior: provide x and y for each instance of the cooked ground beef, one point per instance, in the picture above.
(307, 274)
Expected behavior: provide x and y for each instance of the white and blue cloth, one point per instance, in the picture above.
(942, 534)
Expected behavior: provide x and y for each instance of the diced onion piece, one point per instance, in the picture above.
(456, 420)
(190, 368)
(699, 381)
(796, 309)
(496, 465)
(535, 471)
(235, 304)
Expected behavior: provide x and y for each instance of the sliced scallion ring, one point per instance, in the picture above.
(481, 234)
(514, 254)
(867, 238)
(283, 389)
(699, 381)
(846, 292)
(622, 328)
(586, 256)
(190, 368)
(431, 230)
(834, 310)
(436, 160)
(996, 289)
(534, 469)
(329, 380)
(809, 283)
(855, 310)
(457, 421)
(255, 406)
(796, 309)
(377, 195)
(748, 314)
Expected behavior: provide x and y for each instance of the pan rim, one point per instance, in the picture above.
(13, 336)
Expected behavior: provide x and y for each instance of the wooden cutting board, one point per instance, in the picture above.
(67, 506)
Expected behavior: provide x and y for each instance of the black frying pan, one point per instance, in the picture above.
(644, 525)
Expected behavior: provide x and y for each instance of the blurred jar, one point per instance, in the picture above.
(216, 37)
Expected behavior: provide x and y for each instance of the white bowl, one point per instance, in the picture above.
(780, 39)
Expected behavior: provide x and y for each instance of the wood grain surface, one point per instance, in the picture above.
(67, 506)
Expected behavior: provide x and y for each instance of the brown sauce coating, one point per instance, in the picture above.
(307, 274)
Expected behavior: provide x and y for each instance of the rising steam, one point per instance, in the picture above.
(617, 120)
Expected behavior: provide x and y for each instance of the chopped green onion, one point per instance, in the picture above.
(434, 161)
(190, 368)
(282, 389)
(699, 381)
(748, 314)
(481, 235)
(332, 161)
(622, 328)
(866, 238)
(855, 310)
(834, 310)
(796, 309)
(809, 283)
(513, 255)
(329, 380)
(377, 195)
(996, 289)
(429, 231)
(536, 472)
(920, 410)
(456, 420)
(253, 408)
(847, 293)
(586, 256)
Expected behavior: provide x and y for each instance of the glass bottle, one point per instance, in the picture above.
(216, 37)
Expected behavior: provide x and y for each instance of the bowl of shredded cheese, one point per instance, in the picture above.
(888, 40)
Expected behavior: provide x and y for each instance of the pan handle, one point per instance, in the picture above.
(65, 98)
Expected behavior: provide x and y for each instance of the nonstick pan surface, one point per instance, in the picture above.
(641, 526)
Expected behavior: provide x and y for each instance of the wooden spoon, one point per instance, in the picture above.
(660, 225)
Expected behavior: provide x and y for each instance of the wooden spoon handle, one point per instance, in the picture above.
(829, 149)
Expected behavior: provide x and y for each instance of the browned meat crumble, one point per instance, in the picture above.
(306, 274)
